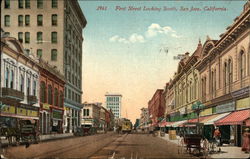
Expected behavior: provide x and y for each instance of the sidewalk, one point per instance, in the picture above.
(226, 151)
(43, 137)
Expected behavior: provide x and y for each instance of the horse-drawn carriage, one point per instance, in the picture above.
(24, 132)
(192, 135)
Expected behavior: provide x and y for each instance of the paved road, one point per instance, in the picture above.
(100, 146)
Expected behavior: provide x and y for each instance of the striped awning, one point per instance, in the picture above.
(234, 118)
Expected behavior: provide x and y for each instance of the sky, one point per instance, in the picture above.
(132, 52)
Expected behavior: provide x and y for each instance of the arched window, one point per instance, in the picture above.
(43, 92)
(61, 99)
(50, 95)
(34, 87)
(28, 86)
(56, 97)
(230, 73)
(242, 64)
(225, 75)
(7, 78)
(21, 83)
(12, 79)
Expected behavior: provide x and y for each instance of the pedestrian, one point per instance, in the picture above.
(217, 136)
(246, 141)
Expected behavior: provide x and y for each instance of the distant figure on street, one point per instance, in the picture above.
(217, 136)
(246, 141)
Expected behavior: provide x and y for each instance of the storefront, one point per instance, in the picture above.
(56, 120)
(233, 123)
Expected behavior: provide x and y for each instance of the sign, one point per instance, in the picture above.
(32, 113)
(206, 112)
(57, 114)
(55, 122)
(243, 103)
(21, 111)
(241, 92)
(9, 109)
(46, 106)
(225, 107)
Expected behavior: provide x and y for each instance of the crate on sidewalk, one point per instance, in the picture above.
(172, 134)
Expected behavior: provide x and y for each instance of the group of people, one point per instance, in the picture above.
(246, 139)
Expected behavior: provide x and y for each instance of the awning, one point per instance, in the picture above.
(214, 118)
(165, 123)
(178, 123)
(235, 118)
(201, 119)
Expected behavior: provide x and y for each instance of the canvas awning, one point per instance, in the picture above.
(235, 118)
(178, 123)
(214, 118)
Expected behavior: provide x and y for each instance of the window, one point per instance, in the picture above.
(54, 19)
(43, 92)
(39, 53)
(61, 99)
(12, 79)
(7, 4)
(20, 20)
(39, 20)
(50, 96)
(27, 20)
(230, 71)
(7, 78)
(54, 3)
(39, 36)
(27, 3)
(53, 55)
(21, 83)
(39, 3)
(27, 37)
(34, 88)
(20, 3)
(28, 86)
(7, 20)
(54, 37)
(20, 37)
(242, 65)
(56, 97)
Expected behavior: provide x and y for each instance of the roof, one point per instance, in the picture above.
(235, 118)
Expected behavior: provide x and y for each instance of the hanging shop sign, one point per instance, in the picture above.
(55, 122)
(227, 107)
(243, 103)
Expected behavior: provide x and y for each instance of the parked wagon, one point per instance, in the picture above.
(193, 136)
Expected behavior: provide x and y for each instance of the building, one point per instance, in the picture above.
(51, 30)
(156, 107)
(114, 102)
(90, 114)
(144, 119)
(19, 87)
(51, 99)
(225, 77)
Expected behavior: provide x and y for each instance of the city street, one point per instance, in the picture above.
(100, 146)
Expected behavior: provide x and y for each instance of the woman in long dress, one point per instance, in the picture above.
(246, 141)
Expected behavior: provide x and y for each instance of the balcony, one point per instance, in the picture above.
(12, 94)
(32, 99)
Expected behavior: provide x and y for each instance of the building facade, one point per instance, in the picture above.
(156, 107)
(144, 120)
(51, 99)
(51, 30)
(19, 84)
(90, 114)
(114, 102)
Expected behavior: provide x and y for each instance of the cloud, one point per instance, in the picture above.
(134, 38)
(155, 29)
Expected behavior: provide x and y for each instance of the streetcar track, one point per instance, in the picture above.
(106, 145)
(54, 153)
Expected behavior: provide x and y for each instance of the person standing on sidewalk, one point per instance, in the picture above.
(217, 136)
(246, 141)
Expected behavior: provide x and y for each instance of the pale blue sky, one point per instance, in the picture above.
(123, 50)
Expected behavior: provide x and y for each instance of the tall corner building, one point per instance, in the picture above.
(51, 30)
(114, 102)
